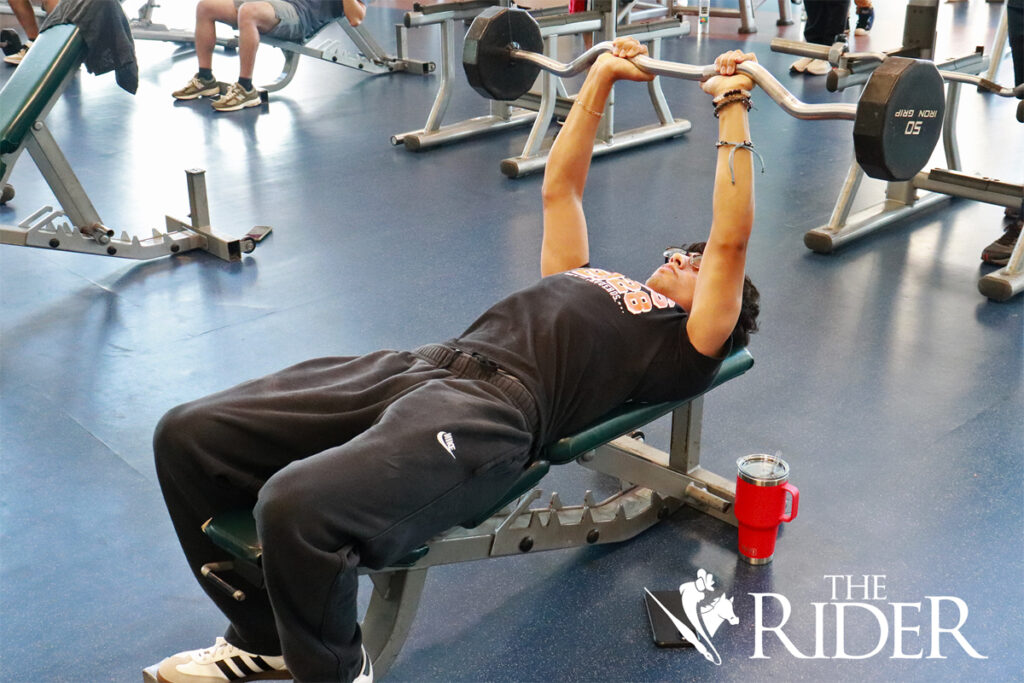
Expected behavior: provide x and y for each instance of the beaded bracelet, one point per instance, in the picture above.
(587, 109)
(736, 91)
(725, 101)
(746, 144)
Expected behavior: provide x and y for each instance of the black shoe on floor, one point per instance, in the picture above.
(998, 253)
(10, 41)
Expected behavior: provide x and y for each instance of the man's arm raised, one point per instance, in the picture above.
(718, 294)
(565, 244)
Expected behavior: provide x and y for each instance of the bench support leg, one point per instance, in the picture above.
(58, 175)
(44, 228)
(393, 604)
(635, 462)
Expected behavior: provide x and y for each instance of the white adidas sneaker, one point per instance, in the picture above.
(220, 663)
(366, 671)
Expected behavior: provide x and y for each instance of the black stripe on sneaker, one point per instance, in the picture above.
(259, 661)
(245, 669)
(227, 670)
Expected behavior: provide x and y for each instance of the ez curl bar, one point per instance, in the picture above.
(897, 121)
(853, 68)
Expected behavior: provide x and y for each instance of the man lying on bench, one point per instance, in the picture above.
(357, 461)
(284, 19)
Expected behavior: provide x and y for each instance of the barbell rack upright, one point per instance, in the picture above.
(534, 156)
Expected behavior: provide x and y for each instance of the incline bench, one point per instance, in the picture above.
(654, 485)
(25, 101)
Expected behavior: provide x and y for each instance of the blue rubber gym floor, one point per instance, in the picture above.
(889, 384)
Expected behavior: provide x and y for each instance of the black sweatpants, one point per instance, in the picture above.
(826, 19)
(349, 461)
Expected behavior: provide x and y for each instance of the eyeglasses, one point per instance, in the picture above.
(691, 257)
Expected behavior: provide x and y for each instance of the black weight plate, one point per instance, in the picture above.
(899, 118)
(485, 53)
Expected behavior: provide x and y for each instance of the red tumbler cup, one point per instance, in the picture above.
(761, 487)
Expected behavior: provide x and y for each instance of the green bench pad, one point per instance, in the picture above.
(58, 51)
(235, 531)
(632, 416)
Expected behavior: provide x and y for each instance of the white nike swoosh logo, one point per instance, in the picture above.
(444, 445)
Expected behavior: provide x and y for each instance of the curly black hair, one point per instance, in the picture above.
(746, 325)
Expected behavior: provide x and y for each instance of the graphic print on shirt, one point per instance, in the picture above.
(630, 295)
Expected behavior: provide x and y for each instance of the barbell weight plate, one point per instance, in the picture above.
(485, 53)
(899, 118)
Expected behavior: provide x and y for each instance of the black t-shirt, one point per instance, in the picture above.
(588, 340)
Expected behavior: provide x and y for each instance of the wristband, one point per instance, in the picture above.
(746, 144)
(587, 109)
(729, 93)
(727, 100)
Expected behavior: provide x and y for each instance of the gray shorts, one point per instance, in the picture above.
(288, 25)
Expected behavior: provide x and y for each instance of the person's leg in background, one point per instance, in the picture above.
(355, 11)
(278, 18)
(1015, 34)
(998, 252)
(208, 13)
(826, 20)
(254, 18)
(26, 16)
(865, 17)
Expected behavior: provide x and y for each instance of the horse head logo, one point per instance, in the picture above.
(705, 613)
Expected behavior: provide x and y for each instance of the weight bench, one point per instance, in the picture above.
(25, 101)
(370, 58)
(654, 484)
